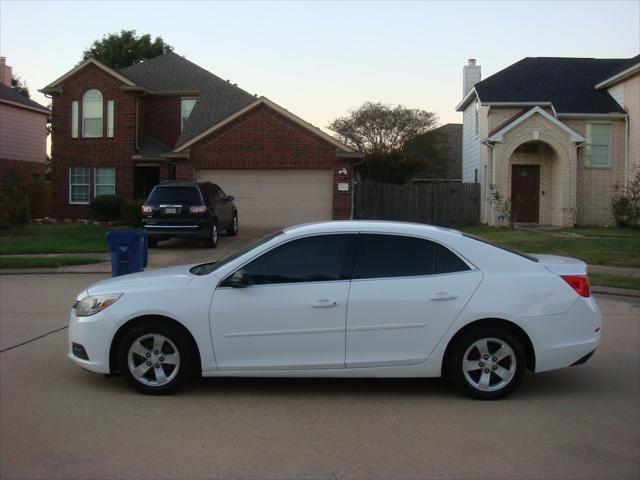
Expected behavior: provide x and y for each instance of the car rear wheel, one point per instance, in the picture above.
(155, 358)
(487, 363)
(212, 239)
(232, 231)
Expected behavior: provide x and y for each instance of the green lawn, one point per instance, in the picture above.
(614, 246)
(616, 281)
(45, 262)
(57, 238)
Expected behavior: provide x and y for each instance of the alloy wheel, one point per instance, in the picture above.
(153, 359)
(489, 364)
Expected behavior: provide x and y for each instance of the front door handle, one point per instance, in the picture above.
(324, 303)
(443, 296)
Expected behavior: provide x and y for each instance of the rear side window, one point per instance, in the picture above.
(447, 261)
(382, 256)
(189, 195)
(310, 259)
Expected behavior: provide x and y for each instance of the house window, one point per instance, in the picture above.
(110, 107)
(185, 110)
(74, 119)
(477, 116)
(597, 148)
(105, 181)
(79, 185)
(92, 114)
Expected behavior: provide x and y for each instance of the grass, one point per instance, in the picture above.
(45, 262)
(616, 281)
(619, 247)
(56, 238)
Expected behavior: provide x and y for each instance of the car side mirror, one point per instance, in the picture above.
(230, 198)
(240, 279)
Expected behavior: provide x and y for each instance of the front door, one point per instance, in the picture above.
(525, 188)
(293, 314)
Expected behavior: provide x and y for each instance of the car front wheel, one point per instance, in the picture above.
(487, 363)
(155, 358)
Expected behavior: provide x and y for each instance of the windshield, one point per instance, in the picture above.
(173, 194)
(207, 268)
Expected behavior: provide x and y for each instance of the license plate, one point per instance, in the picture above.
(169, 210)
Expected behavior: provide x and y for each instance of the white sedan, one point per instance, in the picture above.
(343, 299)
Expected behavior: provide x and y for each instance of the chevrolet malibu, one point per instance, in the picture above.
(343, 299)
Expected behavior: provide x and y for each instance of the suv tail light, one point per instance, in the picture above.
(580, 283)
(147, 210)
(198, 210)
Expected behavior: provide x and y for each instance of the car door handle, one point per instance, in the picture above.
(324, 303)
(443, 296)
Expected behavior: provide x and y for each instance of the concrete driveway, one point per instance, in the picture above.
(58, 421)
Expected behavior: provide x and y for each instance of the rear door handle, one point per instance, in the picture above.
(443, 296)
(324, 303)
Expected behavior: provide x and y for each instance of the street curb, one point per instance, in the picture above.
(620, 292)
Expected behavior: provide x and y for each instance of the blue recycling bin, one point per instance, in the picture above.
(128, 249)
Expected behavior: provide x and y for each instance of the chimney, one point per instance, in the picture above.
(470, 76)
(5, 72)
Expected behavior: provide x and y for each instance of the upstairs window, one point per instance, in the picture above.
(597, 148)
(185, 110)
(74, 119)
(110, 108)
(92, 112)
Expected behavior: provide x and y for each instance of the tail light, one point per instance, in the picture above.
(580, 283)
(198, 210)
(147, 210)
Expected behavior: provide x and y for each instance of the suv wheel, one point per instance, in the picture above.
(487, 363)
(212, 240)
(233, 229)
(152, 242)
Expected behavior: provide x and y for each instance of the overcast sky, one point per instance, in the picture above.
(319, 59)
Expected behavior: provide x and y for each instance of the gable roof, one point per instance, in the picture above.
(10, 96)
(282, 111)
(216, 98)
(53, 86)
(498, 134)
(566, 83)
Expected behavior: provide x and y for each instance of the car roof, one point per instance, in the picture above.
(379, 226)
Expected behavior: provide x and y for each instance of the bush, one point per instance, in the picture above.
(106, 207)
(626, 207)
(131, 213)
(15, 202)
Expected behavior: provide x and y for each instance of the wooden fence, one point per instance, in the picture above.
(444, 204)
(39, 195)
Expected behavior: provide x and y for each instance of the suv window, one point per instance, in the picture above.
(310, 259)
(175, 194)
(382, 256)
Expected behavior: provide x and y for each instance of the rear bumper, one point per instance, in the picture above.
(161, 231)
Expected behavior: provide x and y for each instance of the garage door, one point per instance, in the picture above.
(275, 198)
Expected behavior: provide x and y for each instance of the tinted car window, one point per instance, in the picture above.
(311, 259)
(174, 194)
(447, 261)
(381, 256)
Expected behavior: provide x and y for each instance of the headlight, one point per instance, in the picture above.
(95, 303)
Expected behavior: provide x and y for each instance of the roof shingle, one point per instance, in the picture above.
(10, 95)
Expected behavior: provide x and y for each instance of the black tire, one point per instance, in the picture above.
(152, 242)
(471, 382)
(185, 368)
(232, 231)
(212, 239)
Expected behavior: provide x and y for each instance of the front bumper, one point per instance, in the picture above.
(94, 334)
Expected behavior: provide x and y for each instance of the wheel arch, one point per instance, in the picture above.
(492, 322)
(125, 327)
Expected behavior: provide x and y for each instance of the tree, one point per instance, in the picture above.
(20, 86)
(376, 128)
(119, 50)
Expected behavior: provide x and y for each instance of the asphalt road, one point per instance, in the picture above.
(58, 421)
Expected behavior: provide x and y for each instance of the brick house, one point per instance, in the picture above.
(560, 137)
(166, 118)
(23, 133)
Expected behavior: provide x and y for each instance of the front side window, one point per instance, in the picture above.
(79, 185)
(105, 181)
(597, 148)
(186, 106)
(92, 114)
(383, 256)
(312, 259)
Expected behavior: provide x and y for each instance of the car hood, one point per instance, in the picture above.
(173, 277)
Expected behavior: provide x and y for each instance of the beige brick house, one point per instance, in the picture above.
(559, 137)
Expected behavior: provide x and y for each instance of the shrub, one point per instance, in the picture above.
(106, 207)
(131, 213)
(15, 202)
(626, 207)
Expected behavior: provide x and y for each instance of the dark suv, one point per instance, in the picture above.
(188, 210)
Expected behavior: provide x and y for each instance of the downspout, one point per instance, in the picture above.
(626, 153)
